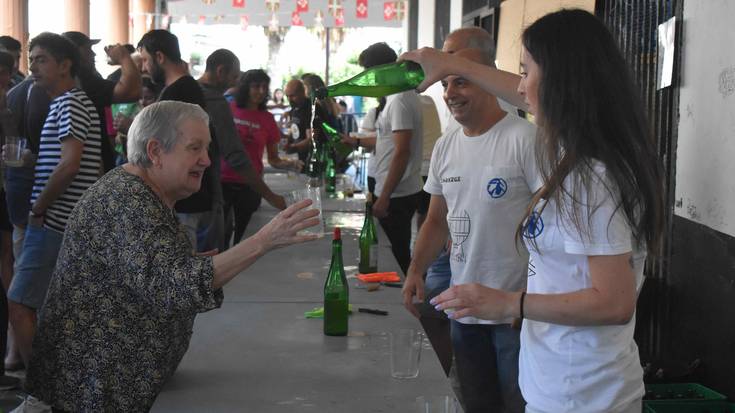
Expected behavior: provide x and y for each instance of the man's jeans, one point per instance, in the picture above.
(205, 229)
(486, 357)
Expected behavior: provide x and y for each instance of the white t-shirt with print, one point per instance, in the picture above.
(368, 125)
(487, 182)
(402, 111)
(578, 369)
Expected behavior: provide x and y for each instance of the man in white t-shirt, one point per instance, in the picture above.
(397, 159)
(481, 179)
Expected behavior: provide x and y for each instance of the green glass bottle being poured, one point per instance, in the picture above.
(368, 243)
(377, 81)
(336, 292)
(314, 166)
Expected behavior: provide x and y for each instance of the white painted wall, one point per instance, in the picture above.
(705, 167)
(426, 24)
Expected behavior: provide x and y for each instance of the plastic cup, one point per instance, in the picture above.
(13, 150)
(437, 404)
(405, 354)
(316, 203)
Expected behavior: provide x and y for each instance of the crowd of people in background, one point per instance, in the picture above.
(144, 184)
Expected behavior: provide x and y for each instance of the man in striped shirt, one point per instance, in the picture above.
(69, 162)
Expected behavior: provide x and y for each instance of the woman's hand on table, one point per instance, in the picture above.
(283, 229)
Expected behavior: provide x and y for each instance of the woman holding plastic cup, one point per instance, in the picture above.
(588, 229)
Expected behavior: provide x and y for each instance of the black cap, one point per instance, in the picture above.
(80, 39)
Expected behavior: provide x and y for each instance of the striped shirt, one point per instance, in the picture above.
(71, 115)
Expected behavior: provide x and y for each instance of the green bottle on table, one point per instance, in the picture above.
(377, 81)
(336, 292)
(330, 171)
(314, 167)
(368, 243)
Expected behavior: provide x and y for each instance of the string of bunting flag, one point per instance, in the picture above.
(282, 13)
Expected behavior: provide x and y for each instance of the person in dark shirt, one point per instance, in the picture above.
(12, 46)
(162, 61)
(102, 92)
(300, 116)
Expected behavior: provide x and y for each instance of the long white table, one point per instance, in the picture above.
(258, 353)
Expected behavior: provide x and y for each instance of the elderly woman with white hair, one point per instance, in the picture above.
(120, 309)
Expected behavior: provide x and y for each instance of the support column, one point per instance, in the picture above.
(14, 23)
(142, 11)
(117, 12)
(76, 16)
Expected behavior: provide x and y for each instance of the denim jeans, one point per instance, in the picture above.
(486, 357)
(205, 229)
(18, 188)
(438, 275)
(35, 267)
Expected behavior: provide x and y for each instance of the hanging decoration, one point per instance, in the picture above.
(335, 7)
(272, 5)
(401, 10)
(389, 10)
(296, 19)
(319, 20)
(244, 21)
(165, 21)
(361, 11)
(202, 19)
(273, 23)
(339, 19)
(208, 2)
(302, 6)
(240, 4)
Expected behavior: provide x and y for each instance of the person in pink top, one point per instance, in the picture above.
(258, 131)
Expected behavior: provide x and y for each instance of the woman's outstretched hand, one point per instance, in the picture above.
(475, 300)
(283, 229)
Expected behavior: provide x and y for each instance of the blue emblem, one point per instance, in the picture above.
(497, 187)
(533, 226)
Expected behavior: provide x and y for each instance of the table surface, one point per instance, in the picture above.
(258, 353)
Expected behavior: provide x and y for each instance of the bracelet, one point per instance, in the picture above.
(523, 299)
(35, 215)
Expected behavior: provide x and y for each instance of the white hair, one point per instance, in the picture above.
(160, 121)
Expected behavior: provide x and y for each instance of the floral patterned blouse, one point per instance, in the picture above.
(120, 309)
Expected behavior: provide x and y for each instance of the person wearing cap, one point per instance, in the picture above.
(102, 92)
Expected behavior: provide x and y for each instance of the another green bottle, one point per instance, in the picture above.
(336, 292)
(368, 243)
(314, 167)
(378, 81)
(335, 140)
(330, 171)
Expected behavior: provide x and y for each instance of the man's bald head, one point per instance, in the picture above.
(476, 55)
(295, 92)
(469, 38)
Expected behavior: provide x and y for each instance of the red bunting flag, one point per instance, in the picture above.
(202, 20)
(361, 9)
(339, 19)
(166, 21)
(400, 10)
(296, 19)
(334, 7)
(244, 21)
(389, 10)
(238, 3)
(272, 5)
(302, 6)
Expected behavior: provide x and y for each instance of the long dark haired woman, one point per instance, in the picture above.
(258, 132)
(588, 229)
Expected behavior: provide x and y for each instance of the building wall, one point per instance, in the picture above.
(701, 278)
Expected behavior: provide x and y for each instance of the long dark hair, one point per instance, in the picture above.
(242, 96)
(377, 54)
(590, 110)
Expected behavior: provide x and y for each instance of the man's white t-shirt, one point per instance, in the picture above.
(487, 182)
(402, 111)
(578, 368)
(368, 125)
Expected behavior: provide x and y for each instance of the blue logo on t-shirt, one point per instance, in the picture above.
(534, 226)
(497, 187)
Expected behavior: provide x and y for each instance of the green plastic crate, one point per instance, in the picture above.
(680, 392)
(711, 406)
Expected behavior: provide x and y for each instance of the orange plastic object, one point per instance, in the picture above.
(376, 277)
